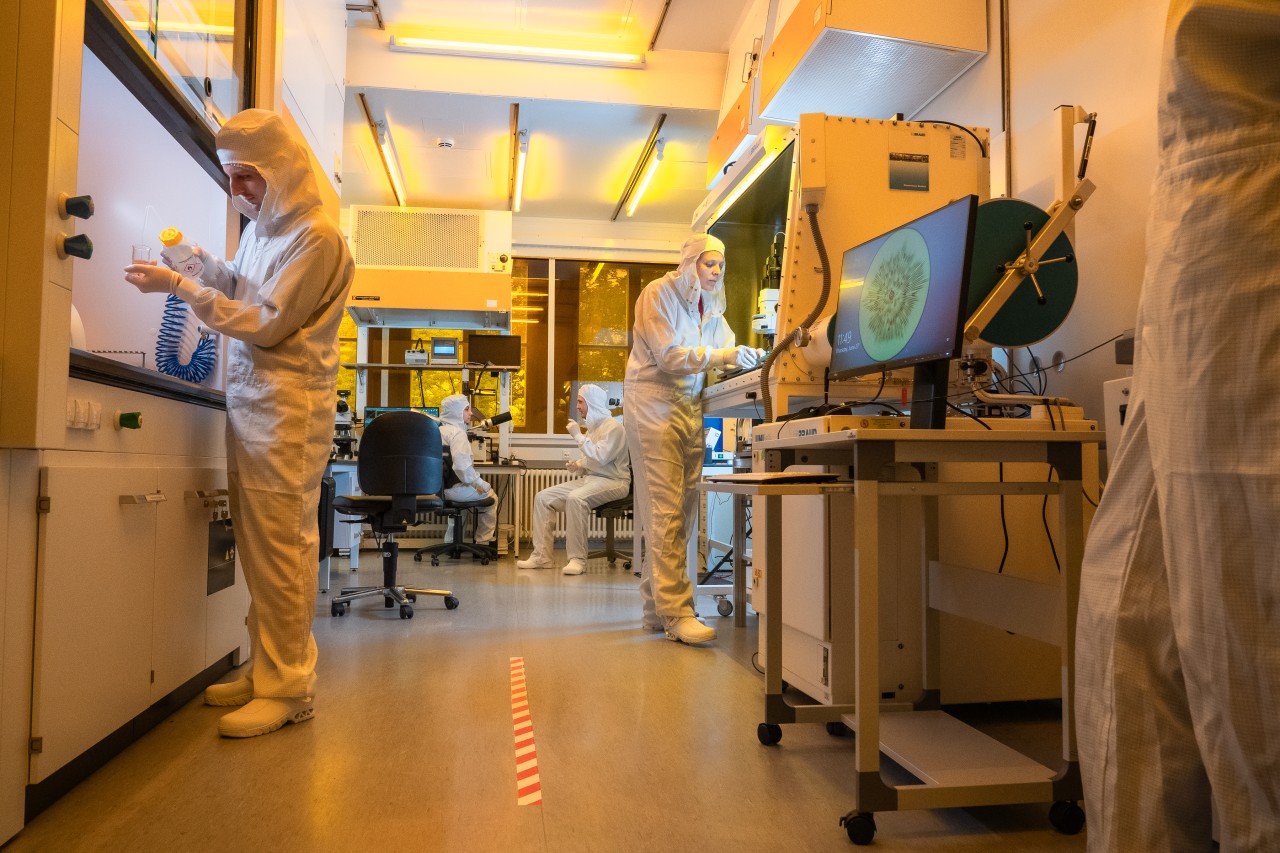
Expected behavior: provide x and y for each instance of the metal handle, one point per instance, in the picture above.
(200, 494)
(152, 498)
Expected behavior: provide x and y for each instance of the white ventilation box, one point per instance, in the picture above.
(423, 268)
(857, 58)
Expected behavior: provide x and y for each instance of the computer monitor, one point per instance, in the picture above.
(901, 304)
(494, 350)
(444, 350)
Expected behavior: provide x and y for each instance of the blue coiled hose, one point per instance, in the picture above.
(178, 337)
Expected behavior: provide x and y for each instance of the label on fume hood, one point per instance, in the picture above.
(491, 303)
(909, 172)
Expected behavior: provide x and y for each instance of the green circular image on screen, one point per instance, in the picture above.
(894, 293)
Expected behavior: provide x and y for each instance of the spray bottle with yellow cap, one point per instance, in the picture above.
(179, 254)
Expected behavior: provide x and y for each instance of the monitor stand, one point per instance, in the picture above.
(929, 395)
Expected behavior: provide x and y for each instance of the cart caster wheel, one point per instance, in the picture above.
(627, 564)
(838, 729)
(769, 733)
(435, 561)
(450, 602)
(1067, 817)
(417, 558)
(411, 596)
(406, 612)
(337, 609)
(860, 826)
(484, 561)
(724, 607)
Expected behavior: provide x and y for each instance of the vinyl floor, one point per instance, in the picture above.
(642, 744)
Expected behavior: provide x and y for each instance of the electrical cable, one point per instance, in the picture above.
(982, 148)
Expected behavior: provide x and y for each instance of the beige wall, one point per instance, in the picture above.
(1105, 57)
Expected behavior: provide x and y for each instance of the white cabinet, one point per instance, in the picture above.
(122, 600)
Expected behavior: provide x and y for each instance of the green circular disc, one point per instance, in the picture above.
(897, 284)
(1000, 237)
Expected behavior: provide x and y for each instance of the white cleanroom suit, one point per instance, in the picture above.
(1178, 632)
(679, 333)
(279, 302)
(454, 412)
(607, 477)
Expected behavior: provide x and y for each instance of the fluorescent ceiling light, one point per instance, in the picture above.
(522, 154)
(648, 176)
(643, 171)
(386, 149)
(484, 50)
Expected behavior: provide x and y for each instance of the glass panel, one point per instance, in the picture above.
(530, 313)
(193, 42)
(594, 302)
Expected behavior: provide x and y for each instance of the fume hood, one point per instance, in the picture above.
(425, 268)
(869, 59)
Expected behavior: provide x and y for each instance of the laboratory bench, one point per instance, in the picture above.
(954, 764)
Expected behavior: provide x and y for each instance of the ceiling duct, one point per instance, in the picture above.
(425, 268)
(875, 60)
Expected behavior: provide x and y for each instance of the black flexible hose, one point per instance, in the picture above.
(812, 211)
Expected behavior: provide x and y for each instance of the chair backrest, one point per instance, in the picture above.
(400, 455)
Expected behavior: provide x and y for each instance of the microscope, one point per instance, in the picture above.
(344, 436)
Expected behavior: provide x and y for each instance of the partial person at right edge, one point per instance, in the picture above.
(1177, 648)
(607, 477)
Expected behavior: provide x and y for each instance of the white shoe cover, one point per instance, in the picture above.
(575, 567)
(237, 692)
(687, 629)
(535, 561)
(262, 716)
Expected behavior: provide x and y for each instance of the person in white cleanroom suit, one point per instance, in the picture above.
(679, 333)
(278, 304)
(1178, 633)
(606, 477)
(455, 418)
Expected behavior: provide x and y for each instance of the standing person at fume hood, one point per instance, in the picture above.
(606, 477)
(679, 333)
(279, 301)
(455, 418)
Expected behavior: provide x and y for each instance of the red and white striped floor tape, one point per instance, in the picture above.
(528, 782)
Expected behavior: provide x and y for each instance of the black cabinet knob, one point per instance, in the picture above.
(78, 245)
(80, 206)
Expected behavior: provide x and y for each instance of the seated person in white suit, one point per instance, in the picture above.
(606, 470)
(455, 418)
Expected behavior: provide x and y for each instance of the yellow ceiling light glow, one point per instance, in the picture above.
(486, 50)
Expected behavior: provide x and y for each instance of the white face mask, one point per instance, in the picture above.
(244, 208)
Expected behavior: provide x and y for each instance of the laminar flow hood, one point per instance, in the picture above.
(425, 268)
(872, 59)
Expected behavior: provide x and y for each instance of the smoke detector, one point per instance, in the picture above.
(444, 142)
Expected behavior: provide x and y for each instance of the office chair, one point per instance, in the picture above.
(455, 547)
(611, 511)
(399, 473)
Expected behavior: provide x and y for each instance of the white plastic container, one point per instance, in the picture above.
(179, 254)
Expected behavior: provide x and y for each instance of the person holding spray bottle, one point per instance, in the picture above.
(279, 301)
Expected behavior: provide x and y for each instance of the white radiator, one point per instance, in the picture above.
(537, 479)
